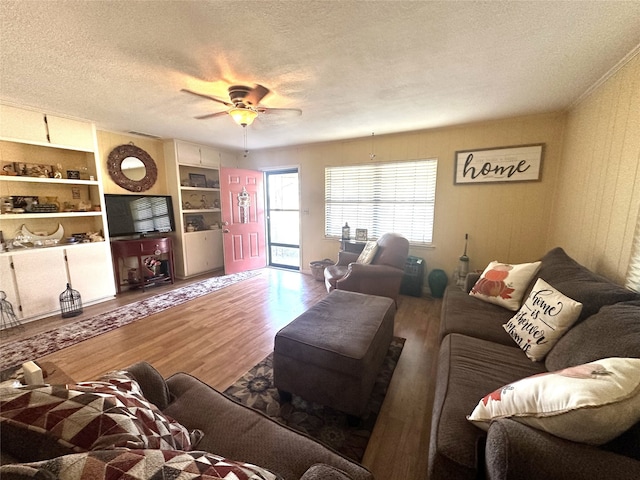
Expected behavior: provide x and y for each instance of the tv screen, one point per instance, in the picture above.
(139, 214)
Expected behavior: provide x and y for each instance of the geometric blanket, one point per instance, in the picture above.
(16, 353)
(121, 464)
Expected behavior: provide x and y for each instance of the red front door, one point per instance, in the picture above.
(243, 236)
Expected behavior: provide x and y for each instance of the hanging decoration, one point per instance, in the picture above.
(372, 155)
(244, 202)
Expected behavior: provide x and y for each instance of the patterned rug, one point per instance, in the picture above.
(17, 352)
(255, 389)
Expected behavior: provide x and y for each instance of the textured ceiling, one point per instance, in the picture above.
(353, 67)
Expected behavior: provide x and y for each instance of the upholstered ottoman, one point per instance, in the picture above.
(331, 354)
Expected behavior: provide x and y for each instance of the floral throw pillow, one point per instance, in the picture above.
(504, 284)
(591, 403)
(93, 415)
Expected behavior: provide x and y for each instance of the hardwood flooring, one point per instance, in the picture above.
(218, 337)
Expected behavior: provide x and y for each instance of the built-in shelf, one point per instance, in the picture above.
(32, 216)
(63, 181)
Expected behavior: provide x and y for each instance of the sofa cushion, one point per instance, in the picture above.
(467, 315)
(612, 332)
(237, 431)
(591, 403)
(468, 368)
(91, 415)
(138, 465)
(504, 284)
(579, 283)
(543, 318)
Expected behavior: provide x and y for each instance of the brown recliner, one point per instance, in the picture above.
(381, 277)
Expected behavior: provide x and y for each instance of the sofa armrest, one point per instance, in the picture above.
(471, 280)
(154, 388)
(519, 452)
(345, 258)
(241, 433)
(320, 471)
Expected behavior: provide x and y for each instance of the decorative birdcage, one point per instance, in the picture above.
(8, 319)
(70, 302)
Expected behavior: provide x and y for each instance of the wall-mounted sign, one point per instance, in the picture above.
(504, 164)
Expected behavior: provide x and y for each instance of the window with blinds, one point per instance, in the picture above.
(633, 274)
(150, 214)
(383, 197)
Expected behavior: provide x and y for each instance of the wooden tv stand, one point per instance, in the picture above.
(141, 248)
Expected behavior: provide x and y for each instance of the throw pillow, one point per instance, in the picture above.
(504, 284)
(543, 318)
(368, 253)
(93, 415)
(591, 403)
(138, 465)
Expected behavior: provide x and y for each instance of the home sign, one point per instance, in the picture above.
(504, 164)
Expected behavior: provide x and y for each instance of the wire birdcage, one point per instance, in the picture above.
(70, 302)
(8, 319)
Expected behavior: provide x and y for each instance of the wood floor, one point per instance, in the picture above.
(218, 337)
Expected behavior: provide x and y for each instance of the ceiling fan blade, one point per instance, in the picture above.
(211, 115)
(269, 111)
(209, 97)
(255, 95)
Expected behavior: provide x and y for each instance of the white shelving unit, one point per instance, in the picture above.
(194, 183)
(34, 277)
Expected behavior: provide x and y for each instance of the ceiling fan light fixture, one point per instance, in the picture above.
(243, 116)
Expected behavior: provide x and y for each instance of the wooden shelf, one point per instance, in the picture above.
(31, 216)
(200, 189)
(63, 181)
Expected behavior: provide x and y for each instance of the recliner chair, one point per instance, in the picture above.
(381, 277)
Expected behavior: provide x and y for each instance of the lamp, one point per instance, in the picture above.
(243, 116)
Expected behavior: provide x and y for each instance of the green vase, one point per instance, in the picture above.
(438, 280)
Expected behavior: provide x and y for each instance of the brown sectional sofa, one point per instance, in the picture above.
(231, 430)
(477, 356)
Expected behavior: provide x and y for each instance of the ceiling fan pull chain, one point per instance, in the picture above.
(246, 151)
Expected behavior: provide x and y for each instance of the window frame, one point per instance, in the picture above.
(377, 196)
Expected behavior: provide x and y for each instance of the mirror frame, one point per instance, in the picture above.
(114, 166)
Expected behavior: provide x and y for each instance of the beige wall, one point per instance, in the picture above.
(505, 221)
(107, 141)
(587, 200)
(596, 204)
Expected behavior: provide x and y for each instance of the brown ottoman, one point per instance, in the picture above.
(331, 354)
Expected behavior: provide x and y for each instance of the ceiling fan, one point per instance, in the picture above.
(244, 103)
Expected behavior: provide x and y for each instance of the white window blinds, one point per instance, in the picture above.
(385, 197)
(633, 274)
(150, 214)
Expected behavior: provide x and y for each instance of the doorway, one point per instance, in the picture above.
(283, 218)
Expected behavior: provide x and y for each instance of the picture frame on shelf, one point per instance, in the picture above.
(73, 174)
(198, 180)
(361, 234)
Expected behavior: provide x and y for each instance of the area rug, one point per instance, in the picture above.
(331, 427)
(17, 352)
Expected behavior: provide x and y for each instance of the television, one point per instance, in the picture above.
(139, 214)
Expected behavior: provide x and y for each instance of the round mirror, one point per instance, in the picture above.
(132, 168)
